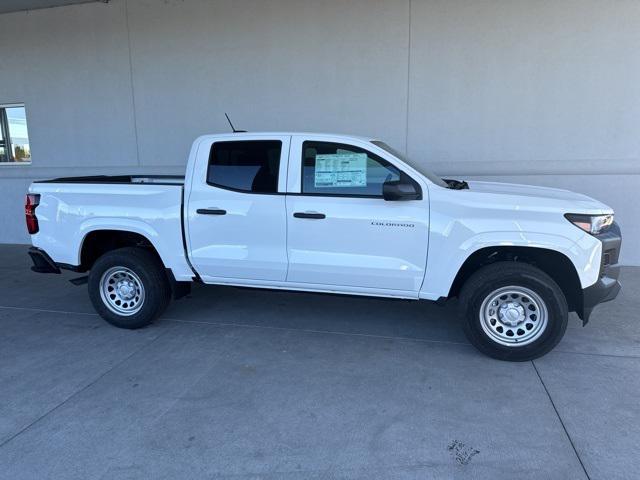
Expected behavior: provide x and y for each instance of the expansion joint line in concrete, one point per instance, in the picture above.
(566, 432)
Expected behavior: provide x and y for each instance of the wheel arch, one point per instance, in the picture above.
(554, 263)
(96, 243)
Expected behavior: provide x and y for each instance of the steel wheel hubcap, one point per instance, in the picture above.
(122, 291)
(513, 316)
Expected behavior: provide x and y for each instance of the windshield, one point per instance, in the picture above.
(430, 175)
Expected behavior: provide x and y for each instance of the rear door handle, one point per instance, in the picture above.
(315, 216)
(211, 211)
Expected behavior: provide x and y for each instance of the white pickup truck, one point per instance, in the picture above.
(335, 214)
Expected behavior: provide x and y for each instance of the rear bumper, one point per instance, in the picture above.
(607, 287)
(42, 263)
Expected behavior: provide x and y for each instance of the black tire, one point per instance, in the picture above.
(150, 271)
(490, 278)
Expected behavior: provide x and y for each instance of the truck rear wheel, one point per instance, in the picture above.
(513, 311)
(128, 287)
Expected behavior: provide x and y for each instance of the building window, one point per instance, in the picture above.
(14, 138)
(246, 166)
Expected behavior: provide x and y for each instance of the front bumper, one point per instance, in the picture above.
(607, 287)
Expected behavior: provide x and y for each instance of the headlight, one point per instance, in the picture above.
(593, 224)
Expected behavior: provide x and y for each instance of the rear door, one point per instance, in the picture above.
(341, 232)
(236, 209)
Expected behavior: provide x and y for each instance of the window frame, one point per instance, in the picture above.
(402, 174)
(6, 134)
(245, 140)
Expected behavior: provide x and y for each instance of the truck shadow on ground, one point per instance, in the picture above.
(319, 312)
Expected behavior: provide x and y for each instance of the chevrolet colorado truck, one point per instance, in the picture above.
(336, 214)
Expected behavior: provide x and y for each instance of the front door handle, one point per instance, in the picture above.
(211, 211)
(313, 215)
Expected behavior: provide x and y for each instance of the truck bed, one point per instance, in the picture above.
(72, 208)
(120, 179)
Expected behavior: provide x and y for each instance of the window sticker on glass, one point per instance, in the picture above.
(341, 170)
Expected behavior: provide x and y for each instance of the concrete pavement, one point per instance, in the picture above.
(252, 384)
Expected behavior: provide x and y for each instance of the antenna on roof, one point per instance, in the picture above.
(232, 127)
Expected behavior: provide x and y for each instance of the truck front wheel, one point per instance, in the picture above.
(513, 311)
(128, 287)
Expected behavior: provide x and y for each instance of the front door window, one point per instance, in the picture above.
(336, 169)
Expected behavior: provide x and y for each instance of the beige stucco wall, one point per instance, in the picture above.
(544, 92)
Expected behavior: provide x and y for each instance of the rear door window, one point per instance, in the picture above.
(249, 166)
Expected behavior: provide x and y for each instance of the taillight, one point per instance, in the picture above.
(30, 204)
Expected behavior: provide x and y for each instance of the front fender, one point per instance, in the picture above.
(584, 252)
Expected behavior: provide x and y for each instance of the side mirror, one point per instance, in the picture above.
(393, 190)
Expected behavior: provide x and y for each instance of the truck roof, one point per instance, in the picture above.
(314, 134)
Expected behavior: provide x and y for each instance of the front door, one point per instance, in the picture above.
(341, 232)
(236, 209)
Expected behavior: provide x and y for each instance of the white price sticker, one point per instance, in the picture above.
(341, 170)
